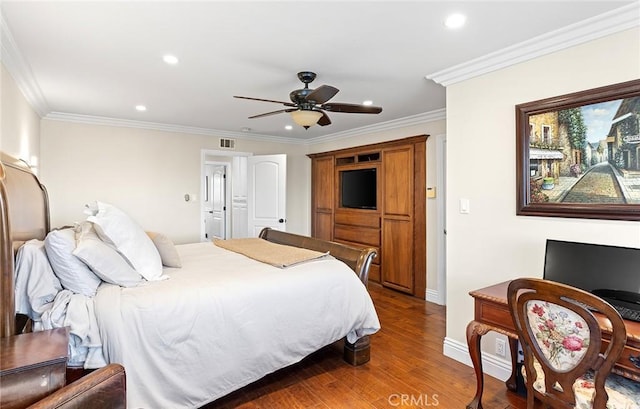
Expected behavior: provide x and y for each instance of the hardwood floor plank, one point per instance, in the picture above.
(407, 370)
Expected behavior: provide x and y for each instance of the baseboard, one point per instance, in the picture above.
(492, 365)
(433, 296)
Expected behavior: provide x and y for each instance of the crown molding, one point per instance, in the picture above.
(127, 123)
(614, 21)
(20, 70)
(157, 126)
(419, 119)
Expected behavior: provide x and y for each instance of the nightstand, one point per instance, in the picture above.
(33, 365)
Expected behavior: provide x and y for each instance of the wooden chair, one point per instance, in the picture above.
(562, 344)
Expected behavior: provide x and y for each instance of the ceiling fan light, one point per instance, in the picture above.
(306, 118)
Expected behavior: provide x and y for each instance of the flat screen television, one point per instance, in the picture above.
(600, 269)
(358, 188)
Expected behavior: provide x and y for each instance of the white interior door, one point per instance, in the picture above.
(215, 201)
(239, 212)
(266, 193)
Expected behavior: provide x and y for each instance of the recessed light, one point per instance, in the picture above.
(288, 127)
(170, 59)
(141, 108)
(455, 20)
(367, 102)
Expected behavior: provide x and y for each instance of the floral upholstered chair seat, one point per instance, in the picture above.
(563, 337)
(623, 393)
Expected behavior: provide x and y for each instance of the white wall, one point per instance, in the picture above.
(19, 123)
(492, 244)
(147, 173)
(433, 128)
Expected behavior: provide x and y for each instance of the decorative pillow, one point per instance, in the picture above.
(167, 250)
(74, 275)
(103, 259)
(115, 227)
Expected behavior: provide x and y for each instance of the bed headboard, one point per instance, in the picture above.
(24, 215)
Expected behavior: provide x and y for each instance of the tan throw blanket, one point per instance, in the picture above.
(278, 255)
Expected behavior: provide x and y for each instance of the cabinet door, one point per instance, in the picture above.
(398, 182)
(397, 263)
(323, 199)
(397, 213)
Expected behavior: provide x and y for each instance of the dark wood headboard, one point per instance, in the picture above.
(24, 215)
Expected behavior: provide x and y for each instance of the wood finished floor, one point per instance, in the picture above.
(406, 363)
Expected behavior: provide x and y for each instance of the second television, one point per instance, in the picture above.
(358, 188)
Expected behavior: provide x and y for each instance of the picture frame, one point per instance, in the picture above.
(578, 155)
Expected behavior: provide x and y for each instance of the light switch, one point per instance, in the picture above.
(464, 206)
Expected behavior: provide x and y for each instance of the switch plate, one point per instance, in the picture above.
(464, 206)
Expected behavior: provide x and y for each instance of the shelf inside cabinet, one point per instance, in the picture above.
(369, 157)
(347, 160)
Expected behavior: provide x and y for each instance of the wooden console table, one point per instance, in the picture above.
(492, 314)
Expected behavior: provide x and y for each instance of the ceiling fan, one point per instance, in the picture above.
(307, 105)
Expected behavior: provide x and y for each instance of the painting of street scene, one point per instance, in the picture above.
(588, 154)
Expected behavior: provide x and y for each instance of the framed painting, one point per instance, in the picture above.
(578, 155)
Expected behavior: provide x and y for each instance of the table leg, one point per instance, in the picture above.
(475, 331)
(511, 382)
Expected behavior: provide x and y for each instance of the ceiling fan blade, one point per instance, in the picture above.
(322, 94)
(324, 120)
(288, 104)
(280, 111)
(352, 108)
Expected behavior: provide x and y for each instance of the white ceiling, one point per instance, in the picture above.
(101, 59)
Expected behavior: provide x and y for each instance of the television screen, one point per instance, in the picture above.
(358, 188)
(593, 266)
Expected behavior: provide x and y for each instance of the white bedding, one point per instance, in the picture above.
(223, 321)
(40, 296)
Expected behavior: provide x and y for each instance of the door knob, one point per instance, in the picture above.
(281, 221)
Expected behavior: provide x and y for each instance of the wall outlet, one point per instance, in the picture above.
(501, 348)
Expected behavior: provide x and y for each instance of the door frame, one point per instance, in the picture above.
(228, 185)
(441, 222)
(227, 195)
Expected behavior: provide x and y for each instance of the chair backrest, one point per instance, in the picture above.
(556, 326)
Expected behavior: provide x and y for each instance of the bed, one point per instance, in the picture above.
(219, 322)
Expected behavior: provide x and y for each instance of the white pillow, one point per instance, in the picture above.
(36, 285)
(115, 227)
(168, 253)
(74, 275)
(104, 260)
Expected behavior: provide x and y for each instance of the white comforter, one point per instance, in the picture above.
(223, 321)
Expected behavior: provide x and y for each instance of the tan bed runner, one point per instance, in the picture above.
(278, 255)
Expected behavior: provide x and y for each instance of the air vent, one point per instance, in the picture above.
(227, 143)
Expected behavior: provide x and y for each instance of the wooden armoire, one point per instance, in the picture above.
(395, 225)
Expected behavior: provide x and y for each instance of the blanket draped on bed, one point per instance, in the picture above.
(277, 255)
